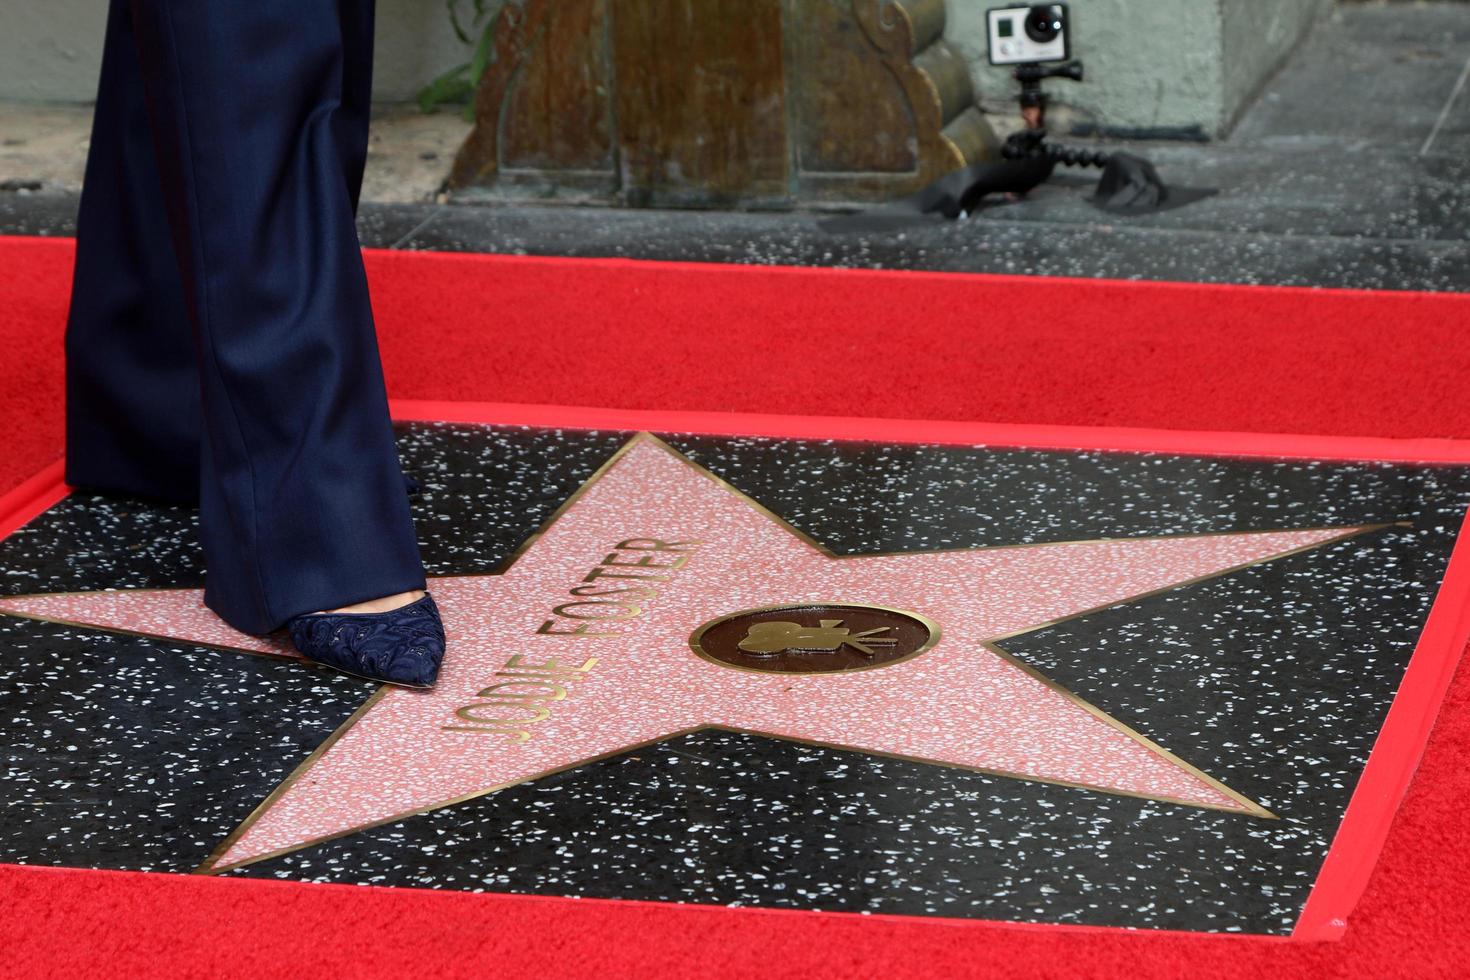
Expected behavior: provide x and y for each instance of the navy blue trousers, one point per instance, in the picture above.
(220, 347)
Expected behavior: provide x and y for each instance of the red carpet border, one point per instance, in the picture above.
(622, 334)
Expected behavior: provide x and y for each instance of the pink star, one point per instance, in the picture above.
(533, 684)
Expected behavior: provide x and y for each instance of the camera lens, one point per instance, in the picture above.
(1044, 23)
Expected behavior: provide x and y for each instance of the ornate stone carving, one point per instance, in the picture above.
(720, 103)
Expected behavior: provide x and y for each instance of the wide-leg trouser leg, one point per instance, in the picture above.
(257, 113)
(132, 381)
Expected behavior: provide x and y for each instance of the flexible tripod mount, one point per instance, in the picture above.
(1030, 143)
(1030, 76)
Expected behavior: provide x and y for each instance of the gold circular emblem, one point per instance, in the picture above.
(814, 638)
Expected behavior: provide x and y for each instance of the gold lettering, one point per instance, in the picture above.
(654, 544)
(548, 628)
(516, 734)
(467, 714)
(647, 561)
(598, 573)
(554, 692)
(517, 662)
(633, 591)
(626, 610)
(531, 687)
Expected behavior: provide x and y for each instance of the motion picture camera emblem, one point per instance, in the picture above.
(814, 638)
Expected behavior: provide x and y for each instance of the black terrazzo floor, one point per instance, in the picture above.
(127, 752)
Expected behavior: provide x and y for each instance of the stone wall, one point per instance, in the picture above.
(1256, 37)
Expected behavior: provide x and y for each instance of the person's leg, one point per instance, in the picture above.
(352, 117)
(303, 503)
(132, 385)
(351, 122)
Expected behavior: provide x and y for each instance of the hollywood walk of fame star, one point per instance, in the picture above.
(580, 650)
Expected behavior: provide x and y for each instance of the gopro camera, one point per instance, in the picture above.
(1034, 33)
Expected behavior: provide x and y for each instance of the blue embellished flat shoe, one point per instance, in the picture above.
(403, 646)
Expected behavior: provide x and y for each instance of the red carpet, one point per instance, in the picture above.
(808, 342)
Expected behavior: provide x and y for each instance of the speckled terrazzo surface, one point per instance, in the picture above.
(128, 752)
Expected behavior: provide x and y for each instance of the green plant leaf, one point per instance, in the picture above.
(459, 83)
(452, 86)
(484, 52)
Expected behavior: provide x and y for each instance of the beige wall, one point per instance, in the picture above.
(1153, 64)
